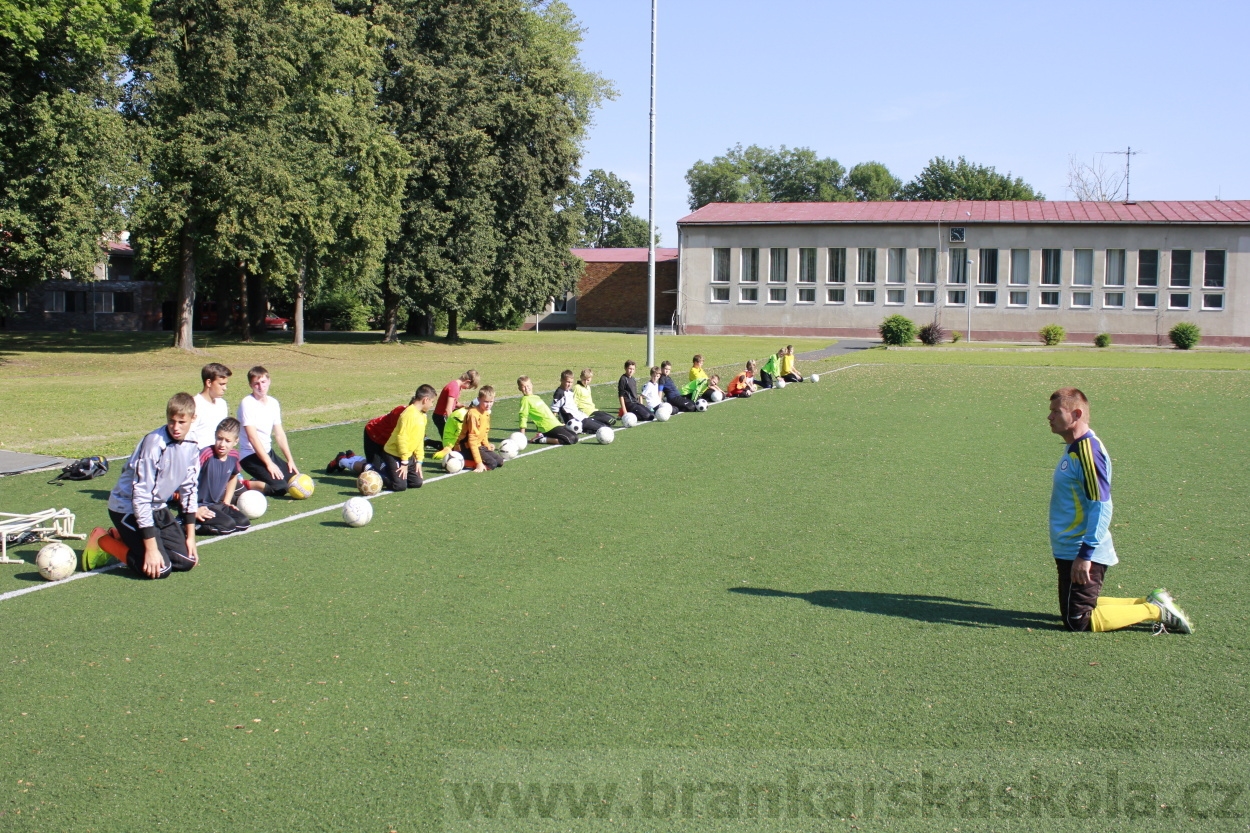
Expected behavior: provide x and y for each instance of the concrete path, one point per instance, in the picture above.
(843, 347)
(11, 462)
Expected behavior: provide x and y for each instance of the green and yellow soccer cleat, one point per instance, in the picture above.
(1170, 614)
(92, 557)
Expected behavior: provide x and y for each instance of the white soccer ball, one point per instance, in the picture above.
(357, 511)
(252, 504)
(701, 405)
(781, 383)
(815, 377)
(605, 435)
(663, 412)
(508, 449)
(453, 462)
(717, 396)
(520, 440)
(575, 425)
(629, 420)
(56, 561)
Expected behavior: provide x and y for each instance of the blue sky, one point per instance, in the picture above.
(1022, 87)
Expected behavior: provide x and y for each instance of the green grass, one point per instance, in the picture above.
(840, 583)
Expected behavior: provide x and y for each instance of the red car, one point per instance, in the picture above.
(273, 322)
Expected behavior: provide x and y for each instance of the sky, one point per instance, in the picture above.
(1022, 87)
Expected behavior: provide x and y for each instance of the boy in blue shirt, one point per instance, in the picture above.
(219, 477)
(1080, 531)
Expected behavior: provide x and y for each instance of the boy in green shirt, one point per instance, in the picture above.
(533, 409)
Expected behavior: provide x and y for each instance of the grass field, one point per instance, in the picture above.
(827, 601)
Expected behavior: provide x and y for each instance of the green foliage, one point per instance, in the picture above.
(897, 330)
(1102, 340)
(757, 174)
(630, 232)
(1185, 335)
(342, 309)
(873, 182)
(943, 179)
(1052, 334)
(604, 200)
(956, 336)
(932, 334)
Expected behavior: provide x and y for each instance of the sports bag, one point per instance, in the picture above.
(87, 468)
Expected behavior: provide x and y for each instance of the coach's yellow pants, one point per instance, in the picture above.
(1111, 614)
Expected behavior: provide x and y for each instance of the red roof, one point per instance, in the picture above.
(970, 211)
(116, 247)
(638, 255)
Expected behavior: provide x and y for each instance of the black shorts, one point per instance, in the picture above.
(171, 540)
(253, 465)
(1077, 601)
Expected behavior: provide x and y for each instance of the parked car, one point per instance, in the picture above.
(273, 322)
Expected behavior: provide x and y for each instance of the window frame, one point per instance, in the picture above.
(1181, 269)
(807, 273)
(950, 297)
(1077, 256)
(773, 290)
(1013, 278)
(1150, 263)
(1109, 273)
(932, 292)
(829, 293)
(1089, 299)
(1106, 299)
(868, 290)
(866, 265)
(805, 288)
(895, 291)
(1051, 302)
(1139, 296)
(718, 262)
(716, 289)
(1052, 267)
(1206, 296)
(922, 254)
(1011, 296)
(750, 265)
(837, 265)
(987, 267)
(778, 255)
(1207, 269)
(742, 294)
(896, 266)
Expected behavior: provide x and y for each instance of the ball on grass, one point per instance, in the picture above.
(629, 420)
(701, 405)
(781, 383)
(575, 425)
(508, 449)
(663, 412)
(605, 435)
(453, 462)
(357, 511)
(300, 487)
(815, 377)
(521, 441)
(252, 504)
(56, 561)
(717, 396)
(369, 483)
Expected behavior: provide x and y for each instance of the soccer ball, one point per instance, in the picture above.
(357, 511)
(717, 396)
(453, 462)
(605, 435)
(701, 405)
(56, 561)
(815, 377)
(521, 441)
(575, 425)
(252, 504)
(663, 412)
(629, 420)
(369, 483)
(781, 383)
(508, 449)
(300, 486)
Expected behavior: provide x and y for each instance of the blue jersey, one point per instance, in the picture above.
(1080, 503)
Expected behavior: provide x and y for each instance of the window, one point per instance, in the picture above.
(19, 302)
(1049, 299)
(866, 296)
(959, 266)
(807, 266)
(1178, 300)
(720, 266)
(1212, 301)
(748, 294)
(837, 266)
(925, 297)
(1083, 267)
(750, 266)
(895, 297)
(54, 301)
(1018, 298)
(1020, 267)
(926, 269)
(896, 266)
(104, 302)
(807, 295)
(956, 297)
(1113, 300)
(1082, 300)
(987, 297)
(720, 294)
(989, 267)
(835, 296)
(1115, 268)
(778, 265)
(1148, 268)
(1147, 300)
(1050, 267)
(123, 302)
(1213, 271)
(1181, 261)
(867, 266)
(776, 294)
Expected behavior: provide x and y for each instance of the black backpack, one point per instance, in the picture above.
(88, 468)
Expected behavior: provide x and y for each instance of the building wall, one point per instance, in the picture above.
(83, 296)
(614, 295)
(998, 320)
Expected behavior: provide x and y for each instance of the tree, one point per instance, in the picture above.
(630, 233)
(64, 151)
(1094, 182)
(604, 200)
(943, 179)
(757, 174)
(873, 182)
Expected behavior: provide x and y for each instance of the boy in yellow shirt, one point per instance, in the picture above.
(399, 462)
(697, 372)
(474, 440)
(788, 371)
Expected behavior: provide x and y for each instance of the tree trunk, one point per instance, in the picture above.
(183, 327)
(390, 315)
(298, 313)
(260, 308)
(453, 325)
(421, 323)
(245, 316)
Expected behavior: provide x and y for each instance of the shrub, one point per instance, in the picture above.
(342, 309)
(956, 336)
(897, 330)
(932, 334)
(1102, 340)
(1052, 334)
(1185, 335)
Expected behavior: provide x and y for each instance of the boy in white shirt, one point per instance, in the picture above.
(261, 418)
(210, 405)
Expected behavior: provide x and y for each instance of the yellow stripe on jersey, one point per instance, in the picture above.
(1085, 454)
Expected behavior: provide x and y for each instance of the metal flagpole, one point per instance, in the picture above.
(651, 208)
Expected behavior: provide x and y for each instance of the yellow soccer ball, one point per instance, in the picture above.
(300, 486)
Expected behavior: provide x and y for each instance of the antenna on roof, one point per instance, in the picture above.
(1128, 161)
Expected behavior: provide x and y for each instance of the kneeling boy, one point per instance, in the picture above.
(219, 474)
(474, 440)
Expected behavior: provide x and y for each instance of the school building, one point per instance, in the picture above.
(997, 270)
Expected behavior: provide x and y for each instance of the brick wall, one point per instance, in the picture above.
(615, 295)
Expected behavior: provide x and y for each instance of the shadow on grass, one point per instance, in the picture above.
(936, 609)
(12, 344)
